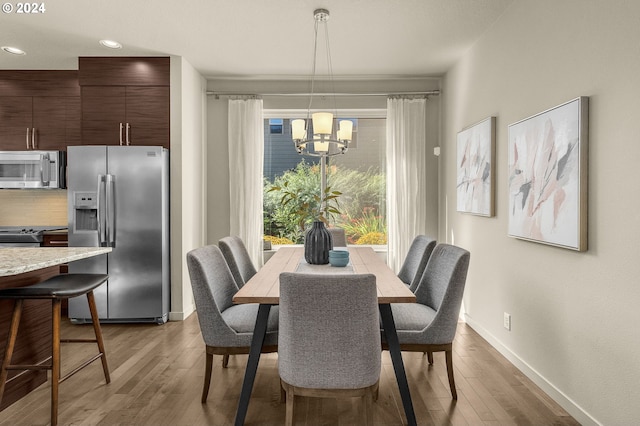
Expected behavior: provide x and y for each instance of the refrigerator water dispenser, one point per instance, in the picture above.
(85, 209)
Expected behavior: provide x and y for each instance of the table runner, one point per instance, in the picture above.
(308, 268)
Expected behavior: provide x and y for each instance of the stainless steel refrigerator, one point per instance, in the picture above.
(118, 196)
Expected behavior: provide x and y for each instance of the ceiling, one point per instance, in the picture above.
(254, 38)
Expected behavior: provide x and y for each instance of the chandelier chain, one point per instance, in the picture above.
(313, 68)
(330, 67)
(315, 135)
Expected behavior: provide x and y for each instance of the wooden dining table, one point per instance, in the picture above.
(264, 289)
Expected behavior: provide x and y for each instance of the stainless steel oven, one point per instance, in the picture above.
(32, 169)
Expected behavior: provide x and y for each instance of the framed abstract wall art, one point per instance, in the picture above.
(475, 168)
(548, 158)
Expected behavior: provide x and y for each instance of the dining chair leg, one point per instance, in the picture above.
(55, 359)
(452, 384)
(207, 376)
(225, 360)
(11, 343)
(430, 357)
(289, 408)
(368, 407)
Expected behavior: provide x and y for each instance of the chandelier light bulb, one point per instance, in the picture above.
(321, 146)
(298, 131)
(346, 130)
(322, 123)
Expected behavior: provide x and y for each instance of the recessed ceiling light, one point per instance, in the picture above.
(13, 50)
(111, 44)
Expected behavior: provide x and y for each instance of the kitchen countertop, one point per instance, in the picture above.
(15, 261)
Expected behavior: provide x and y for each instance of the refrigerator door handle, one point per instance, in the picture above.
(102, 240)
(111, 210)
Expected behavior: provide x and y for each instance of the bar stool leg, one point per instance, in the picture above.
(98, 332)
(11, 342)
(55, 360)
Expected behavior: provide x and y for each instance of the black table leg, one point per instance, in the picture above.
(259, 333)
(396, 357)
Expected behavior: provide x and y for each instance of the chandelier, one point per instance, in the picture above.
(315, 135)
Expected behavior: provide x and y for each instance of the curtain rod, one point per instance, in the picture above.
(425, 93)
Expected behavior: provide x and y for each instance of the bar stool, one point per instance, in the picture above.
(56, 289)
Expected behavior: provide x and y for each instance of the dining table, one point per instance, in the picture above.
(264, 288)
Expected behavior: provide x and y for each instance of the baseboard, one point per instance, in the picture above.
(176, 316)
(558, 396)
(182, 315)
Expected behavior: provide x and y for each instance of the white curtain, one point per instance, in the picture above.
(246, 156)
(406, 185)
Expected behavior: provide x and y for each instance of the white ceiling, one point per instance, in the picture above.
(254, 38)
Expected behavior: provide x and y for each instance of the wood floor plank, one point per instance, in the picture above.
(473, 400)
(157, 376)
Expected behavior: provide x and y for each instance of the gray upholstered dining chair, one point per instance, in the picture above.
(338, 236)
(237, 257)
(416, 260)
(329, 338)
(227, 329)
(430, 324)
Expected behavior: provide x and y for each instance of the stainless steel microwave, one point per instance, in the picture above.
(32, 169)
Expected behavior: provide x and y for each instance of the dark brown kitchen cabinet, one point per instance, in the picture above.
(124, 71)
(39, 122)
(56, 122)
(39, 110)
(16, 117)
(125, 100)
(125, 115)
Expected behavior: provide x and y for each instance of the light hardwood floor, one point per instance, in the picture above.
(156, 379)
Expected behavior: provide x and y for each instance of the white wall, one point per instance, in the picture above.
(575, 315)
(188, 178)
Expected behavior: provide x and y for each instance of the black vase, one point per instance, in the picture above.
(317, 243)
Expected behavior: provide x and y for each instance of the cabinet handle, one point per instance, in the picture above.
(57, 243)
(128, 132)
(27, 138)
(33, 138)
(120, 134)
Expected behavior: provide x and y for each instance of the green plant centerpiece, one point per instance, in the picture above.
(308, 208)
(315, 210)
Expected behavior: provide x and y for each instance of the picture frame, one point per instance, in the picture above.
(475, 158)
(548, 161)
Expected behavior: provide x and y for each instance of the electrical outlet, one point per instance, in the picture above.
(507, 321)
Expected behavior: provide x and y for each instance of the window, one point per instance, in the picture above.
(275, 126)
(359, 175)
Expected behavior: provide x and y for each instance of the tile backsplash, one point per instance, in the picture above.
(33, 207)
